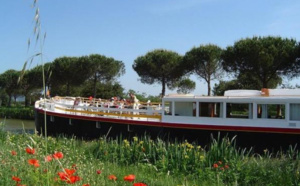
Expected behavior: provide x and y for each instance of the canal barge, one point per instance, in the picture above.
(269, 117)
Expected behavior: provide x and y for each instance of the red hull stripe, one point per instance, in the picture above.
(178, 125)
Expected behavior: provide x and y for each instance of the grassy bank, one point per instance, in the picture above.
(36, 160)
(17, 112)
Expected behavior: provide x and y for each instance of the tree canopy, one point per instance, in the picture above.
(205, 61)
(104, 69)
(9, 82)
(68, 72)
(159, 66)
(265, 59)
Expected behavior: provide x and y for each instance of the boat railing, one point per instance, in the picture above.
(103, 109)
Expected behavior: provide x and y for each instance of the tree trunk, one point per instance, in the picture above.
(95, 82)
(26, 101)
(68, 90)
(163, 91)
(208, 88)
(9, 101)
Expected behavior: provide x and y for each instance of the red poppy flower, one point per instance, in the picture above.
(98, 171)
(13, 153)
(73, 179)
(15, 178)
(86, 184)
(34, 162)
(112, 177)
(48, 158)
(226, 166)
(58, 155)
(215, 165)
(30, 150)
(129, 178)
(68, 176)
(139, 184)
(70, 171)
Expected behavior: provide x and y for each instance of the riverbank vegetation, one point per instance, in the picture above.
(36, 160)
(20, 112)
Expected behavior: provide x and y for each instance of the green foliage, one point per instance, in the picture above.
(103, 90)
(159, 66)
(17, 112)
(264, 58)
(205, 61)
(69, 72)
(185, 86)
(154, 162)
(9, 82)
(104, 70)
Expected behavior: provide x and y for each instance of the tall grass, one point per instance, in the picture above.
(152, 161)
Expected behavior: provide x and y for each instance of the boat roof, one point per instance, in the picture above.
(267, 94)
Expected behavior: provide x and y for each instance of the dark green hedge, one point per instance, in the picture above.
(17, 112)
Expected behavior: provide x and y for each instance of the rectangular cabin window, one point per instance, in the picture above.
(185, 109)
(210, 109)
(239, 110)
(271, 111)
(294, 112)
(168, 108)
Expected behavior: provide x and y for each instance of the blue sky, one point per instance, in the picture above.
(126, 29)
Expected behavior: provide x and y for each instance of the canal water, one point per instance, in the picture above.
(17, 126)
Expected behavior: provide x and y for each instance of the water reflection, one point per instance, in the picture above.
(17, 126)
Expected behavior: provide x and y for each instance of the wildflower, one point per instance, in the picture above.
(73, 179)
(58, 155)
(215, 165)
(15, 178)
(68, 176)
(220, 162)
(226, 166)
(48, 158)
(126, 143)
(30, 150)
(34, 162)
(222, 168)
(86, 184)
(98, 171)
(135, 139)
(112, 177)
(129, 178)
(202, 158)
(139, 184)
(13, 153)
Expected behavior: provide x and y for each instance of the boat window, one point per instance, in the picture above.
(271, 111)
(239, 110)
(294, 112)
(210, 109)
(168, 108)
(185, 109)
